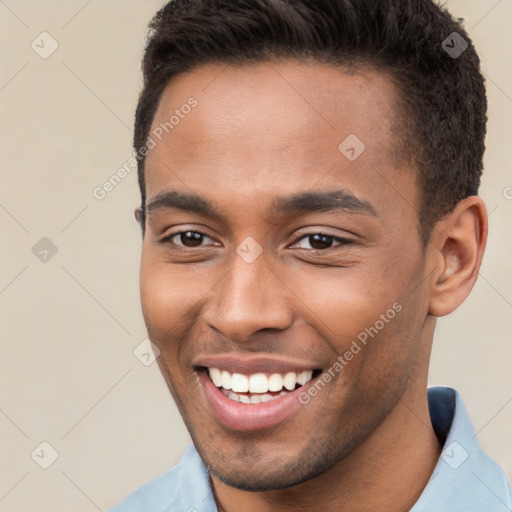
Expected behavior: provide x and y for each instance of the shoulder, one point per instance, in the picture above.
(465, 477)
(179, 488)
(153, 496)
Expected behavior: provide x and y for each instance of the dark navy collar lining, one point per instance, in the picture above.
(441, 406)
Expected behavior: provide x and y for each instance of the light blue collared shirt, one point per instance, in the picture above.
(465, 478)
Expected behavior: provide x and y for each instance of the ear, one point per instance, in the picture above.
(140, 218)
(138, 214)
(456, 249)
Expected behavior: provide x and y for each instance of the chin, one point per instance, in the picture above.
(249, 471)
(260, 481)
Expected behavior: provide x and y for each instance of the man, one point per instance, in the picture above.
(309, 173)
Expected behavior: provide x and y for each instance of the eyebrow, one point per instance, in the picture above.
(182, 201)
(312, 202)
(306, 202)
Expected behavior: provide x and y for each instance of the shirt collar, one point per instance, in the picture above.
(465, 477)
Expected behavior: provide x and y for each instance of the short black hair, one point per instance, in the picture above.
(443, 103)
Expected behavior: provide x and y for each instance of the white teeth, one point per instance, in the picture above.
(239, 383)
(253, 399)
(275, 382)
(216, 376)
(304, 377)
(226, 380)
(289, 381)
(258, 383)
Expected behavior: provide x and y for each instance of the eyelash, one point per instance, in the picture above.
(342, 241)
(168, 239)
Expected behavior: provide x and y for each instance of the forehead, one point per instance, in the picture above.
(280, 124)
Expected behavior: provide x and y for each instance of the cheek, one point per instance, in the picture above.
(158, 298)
(364, 316)
(167, 294)
(168, 306)
(343, 304)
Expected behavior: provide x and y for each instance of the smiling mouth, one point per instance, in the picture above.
(258, 387)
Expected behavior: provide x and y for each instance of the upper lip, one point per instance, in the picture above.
(249, 364)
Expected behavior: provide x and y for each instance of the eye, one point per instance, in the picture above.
(188, 239)
(320, 241)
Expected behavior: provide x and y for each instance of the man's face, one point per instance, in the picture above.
(340, 262)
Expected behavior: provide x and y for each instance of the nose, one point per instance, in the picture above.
(249, 298)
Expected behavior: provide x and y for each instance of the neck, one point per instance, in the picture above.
(388, 471)
(385, 474)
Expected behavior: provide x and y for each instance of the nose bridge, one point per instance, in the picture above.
(249, 298)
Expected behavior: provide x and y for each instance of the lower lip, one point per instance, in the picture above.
(247, 417)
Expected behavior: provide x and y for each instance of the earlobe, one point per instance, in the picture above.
(458, 246)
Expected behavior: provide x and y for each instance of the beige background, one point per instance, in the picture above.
(69, 326)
